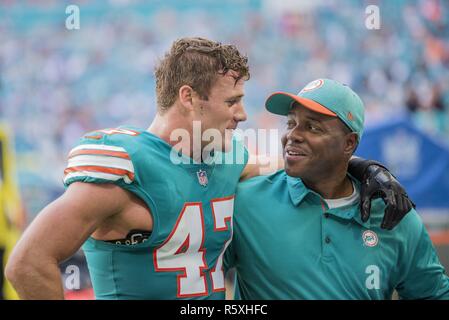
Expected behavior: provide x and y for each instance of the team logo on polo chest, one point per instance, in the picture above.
(370, 238)
(202, 177)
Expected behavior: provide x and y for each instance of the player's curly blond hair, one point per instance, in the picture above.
(195, 62)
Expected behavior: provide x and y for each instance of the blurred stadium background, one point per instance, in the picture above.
(56, 84)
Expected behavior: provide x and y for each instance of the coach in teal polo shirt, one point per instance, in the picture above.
(298, 233)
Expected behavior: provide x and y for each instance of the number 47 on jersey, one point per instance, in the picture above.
(184, 248)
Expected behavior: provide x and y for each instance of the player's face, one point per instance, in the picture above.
(224, 108)
(314, 144)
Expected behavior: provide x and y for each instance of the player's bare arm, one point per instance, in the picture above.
(377, 182)
(59, 231)
(261, 165)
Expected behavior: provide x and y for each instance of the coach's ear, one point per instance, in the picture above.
(186, 94)
(351, 142)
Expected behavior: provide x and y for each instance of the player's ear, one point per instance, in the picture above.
(186, 94)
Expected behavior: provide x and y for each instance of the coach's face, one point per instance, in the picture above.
(315, 145)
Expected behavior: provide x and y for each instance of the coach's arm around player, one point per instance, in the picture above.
(57, 233)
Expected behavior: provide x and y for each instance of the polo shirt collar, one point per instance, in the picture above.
(298, 191)
(350, 212)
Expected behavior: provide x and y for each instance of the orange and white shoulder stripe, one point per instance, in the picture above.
(99, 161)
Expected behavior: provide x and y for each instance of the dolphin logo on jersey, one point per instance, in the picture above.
(370, 238)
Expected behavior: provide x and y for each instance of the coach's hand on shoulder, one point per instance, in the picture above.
(379, 182)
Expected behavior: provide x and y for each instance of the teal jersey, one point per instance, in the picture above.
(288, 244)
(191, 205)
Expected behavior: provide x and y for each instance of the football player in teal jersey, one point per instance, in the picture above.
(153, 213)
(298, 233)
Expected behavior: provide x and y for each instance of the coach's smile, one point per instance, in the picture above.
(293, 153)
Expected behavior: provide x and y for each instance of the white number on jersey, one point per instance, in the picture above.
(222, 210)
(183, 250)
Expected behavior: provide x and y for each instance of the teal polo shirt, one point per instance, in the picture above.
(288, 244)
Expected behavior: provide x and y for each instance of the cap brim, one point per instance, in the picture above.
(281, 103)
